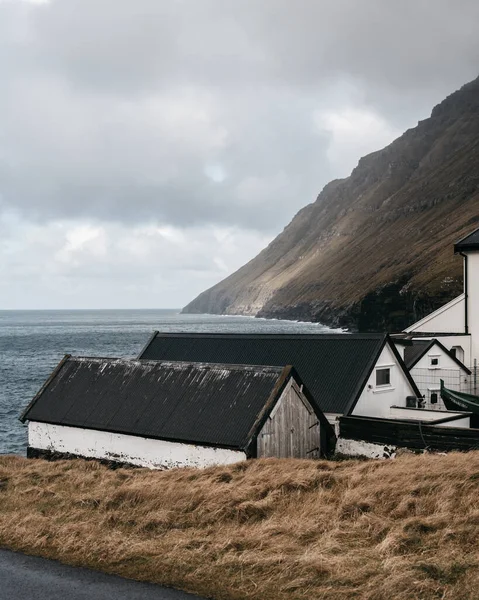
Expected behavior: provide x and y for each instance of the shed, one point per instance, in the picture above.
(171, 414)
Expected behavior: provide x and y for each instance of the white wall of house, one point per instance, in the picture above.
(376, 400)
(428, 375)
(461, 343)
(143, 452)
(473, 301)
(447, 319)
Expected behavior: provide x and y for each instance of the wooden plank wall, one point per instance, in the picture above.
(408, 435)
(292, 430)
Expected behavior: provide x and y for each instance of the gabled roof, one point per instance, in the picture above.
(334, 367)
(206, 404)
(413, 353)
(469, 242)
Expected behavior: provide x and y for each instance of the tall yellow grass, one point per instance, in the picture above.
(265, 529)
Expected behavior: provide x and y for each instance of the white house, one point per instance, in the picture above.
(429, 361)
(456, 324)
(162, 415)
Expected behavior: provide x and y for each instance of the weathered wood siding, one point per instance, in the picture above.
(292, 429)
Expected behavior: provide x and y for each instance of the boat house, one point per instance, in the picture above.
(173, 414)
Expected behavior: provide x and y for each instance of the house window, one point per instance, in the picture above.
(434, 362)
(383, 377)
(433, 397)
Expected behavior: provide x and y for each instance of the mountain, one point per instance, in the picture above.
(375, 250)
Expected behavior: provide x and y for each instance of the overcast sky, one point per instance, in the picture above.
(148, 148)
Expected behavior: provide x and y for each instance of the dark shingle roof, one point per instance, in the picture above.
(334, 367)
(206, 404)
(418, 348)
(469, 242)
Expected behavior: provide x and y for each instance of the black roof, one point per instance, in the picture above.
(334, 367)
(209, 404)
(469, 242)
(418, 348)
(415, 351)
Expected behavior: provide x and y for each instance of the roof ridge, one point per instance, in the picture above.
(345, 335)
(198, 364)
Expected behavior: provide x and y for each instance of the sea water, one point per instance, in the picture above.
(33, 342)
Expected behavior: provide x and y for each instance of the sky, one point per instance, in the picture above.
(149, 148)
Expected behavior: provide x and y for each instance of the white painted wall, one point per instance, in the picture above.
(473, 302)
(445, 361)
(143, 452)
(333, 419)
(366, 449)
(428, 377)
(451, 341)
(376, 402)
(447, 319)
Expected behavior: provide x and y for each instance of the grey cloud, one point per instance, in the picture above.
(118, 110)
(150, 147)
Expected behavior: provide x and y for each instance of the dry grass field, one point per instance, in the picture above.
(266, 529)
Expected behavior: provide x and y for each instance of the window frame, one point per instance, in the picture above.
(381, 386)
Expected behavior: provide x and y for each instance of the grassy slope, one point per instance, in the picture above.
(264, 529)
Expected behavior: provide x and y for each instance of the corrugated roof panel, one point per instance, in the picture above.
(198, 403)
(333, 367)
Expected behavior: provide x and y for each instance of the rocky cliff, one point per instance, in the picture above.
(374, 251)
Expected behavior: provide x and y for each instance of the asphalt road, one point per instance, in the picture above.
(30, 578)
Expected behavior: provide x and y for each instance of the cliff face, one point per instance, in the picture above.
(374, 251)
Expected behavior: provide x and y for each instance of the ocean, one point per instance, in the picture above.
(33, 342)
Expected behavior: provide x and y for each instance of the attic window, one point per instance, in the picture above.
(434, 362)
(383, 377)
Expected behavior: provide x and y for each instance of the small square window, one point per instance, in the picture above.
(434, 362)
(383, 377)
